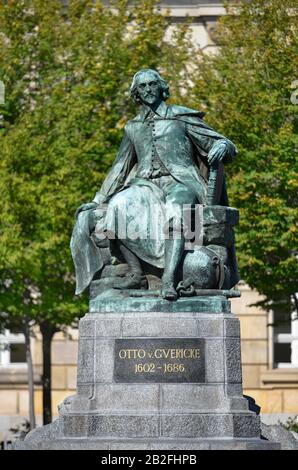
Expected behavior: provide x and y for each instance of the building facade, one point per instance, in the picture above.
(269, 342)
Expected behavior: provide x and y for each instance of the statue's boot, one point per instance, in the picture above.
(134, 279)
(174, 249)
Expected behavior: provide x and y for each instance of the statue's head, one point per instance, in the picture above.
(148, 87)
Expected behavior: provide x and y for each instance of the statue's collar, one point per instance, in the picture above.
(161, 111)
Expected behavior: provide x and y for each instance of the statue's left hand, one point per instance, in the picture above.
(85, 207)
(217, 153)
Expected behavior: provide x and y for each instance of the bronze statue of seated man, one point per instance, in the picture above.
(169, 160)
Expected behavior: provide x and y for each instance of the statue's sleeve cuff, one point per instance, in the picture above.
(230, 150)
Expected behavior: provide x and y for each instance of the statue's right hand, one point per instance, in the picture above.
(85, 207)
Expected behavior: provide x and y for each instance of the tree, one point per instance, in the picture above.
(67, 72)
(25, 325)
(246, 90)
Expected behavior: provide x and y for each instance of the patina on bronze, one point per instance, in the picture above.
(169, 156)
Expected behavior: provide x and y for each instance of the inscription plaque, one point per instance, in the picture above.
(160, 360)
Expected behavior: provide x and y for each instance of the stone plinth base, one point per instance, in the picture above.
(164, 375)
(47, 438)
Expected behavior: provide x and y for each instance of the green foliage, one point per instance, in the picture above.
(67, 73)
(246, 90)
(20, 430)
(291, 424)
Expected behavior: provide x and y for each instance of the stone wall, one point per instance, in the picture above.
(275, 390)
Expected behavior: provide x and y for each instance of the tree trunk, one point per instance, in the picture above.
(47, 331)
(26, 330)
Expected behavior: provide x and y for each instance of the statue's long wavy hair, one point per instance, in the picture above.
(163, 85)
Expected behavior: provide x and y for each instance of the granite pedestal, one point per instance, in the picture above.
(154, 374)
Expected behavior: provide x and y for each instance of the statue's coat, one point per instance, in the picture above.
(182, 141)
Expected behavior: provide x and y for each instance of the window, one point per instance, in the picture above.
(285, 339)
(12, 348)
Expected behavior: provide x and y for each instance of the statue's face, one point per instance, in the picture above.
(149, 88)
